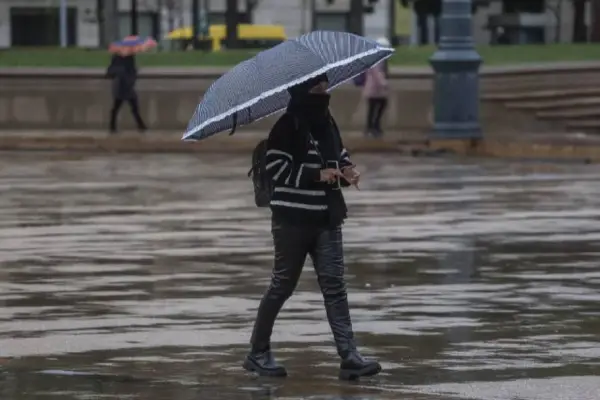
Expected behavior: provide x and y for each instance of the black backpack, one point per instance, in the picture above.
(263, 185)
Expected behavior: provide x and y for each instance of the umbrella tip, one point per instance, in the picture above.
(383, 42)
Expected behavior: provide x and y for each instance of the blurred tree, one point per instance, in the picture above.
(356, 14)
(251, 5)
(355, 17)
(430, 7)
(556, 10)
(595, 33)
(579, 28)
(108, 22)
(424, 9)
(231, 23)
(134, 17)
(195, 22)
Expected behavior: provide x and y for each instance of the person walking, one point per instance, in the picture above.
(375, 92)
(123, 72)
(308, 165)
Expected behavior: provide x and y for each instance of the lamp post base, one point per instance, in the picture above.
(456, 67)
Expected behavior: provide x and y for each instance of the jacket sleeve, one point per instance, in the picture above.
(111, 71)
(282, 166)
(344, 155)
(345, 162)
(345, 159)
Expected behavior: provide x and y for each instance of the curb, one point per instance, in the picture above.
(157, 145)
(587, 151)
(576, 151)
(396, 72)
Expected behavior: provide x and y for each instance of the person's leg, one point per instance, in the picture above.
(370, 114)
(328, 259)
(380, 109)
(291, 246)
(135, 110)
(114, 112)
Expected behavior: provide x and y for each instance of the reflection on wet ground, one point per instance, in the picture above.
(137, 277)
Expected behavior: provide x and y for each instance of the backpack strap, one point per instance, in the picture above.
(337, 135)
(257, 159)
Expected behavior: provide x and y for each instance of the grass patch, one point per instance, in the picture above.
(404, 56)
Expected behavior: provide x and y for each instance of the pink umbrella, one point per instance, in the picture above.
(132, 45)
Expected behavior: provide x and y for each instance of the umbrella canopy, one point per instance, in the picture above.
(132, 45)
(258, 87)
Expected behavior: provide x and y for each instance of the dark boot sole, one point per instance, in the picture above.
(355, 374)
(251, 366)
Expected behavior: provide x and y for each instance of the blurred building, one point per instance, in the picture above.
(509, 21)
(530, 21)
(36, 22)
(297, 16)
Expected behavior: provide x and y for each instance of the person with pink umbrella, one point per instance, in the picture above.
(123, 72)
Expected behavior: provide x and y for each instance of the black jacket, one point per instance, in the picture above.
(294, 161)
(123, 72)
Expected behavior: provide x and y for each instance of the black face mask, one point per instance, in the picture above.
(313, 106)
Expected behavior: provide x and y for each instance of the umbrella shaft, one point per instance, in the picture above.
(63, 23)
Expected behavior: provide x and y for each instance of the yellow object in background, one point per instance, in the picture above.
(245, 32)
(402, 20)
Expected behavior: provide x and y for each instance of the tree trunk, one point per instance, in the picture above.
(355, 17)
(231, 21)
(134, 18)
(579, 28)
(595, 34)
(109, 24)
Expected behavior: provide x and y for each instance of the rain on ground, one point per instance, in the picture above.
(138, 277)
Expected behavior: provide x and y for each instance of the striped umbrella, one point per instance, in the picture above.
(258, 87)
(131, 45)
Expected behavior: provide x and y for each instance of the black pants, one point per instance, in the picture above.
(376, 108)
(292, 244)
(114, 112)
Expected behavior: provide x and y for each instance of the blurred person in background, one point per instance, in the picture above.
(376, 91)
(308, 165)
(123, 72)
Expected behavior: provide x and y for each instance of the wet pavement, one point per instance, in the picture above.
(137, 277)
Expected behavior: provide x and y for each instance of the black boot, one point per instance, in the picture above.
(261, 359)
(114, 112)
(290, 253)
(262, 362)
(135, 110)
(354, 366)
(329, 265)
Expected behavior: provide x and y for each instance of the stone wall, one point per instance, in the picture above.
(81, 99)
